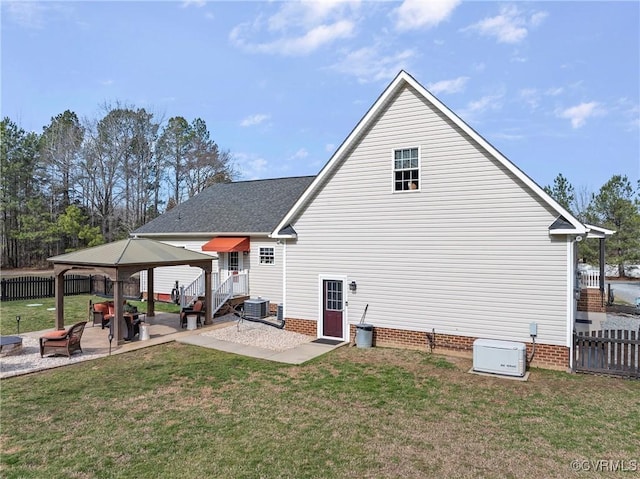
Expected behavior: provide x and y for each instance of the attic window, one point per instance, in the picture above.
(406, 169)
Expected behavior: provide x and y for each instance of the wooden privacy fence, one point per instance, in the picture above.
(33, 287)
(608, 352)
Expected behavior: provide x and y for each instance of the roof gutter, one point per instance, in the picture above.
(205, 234)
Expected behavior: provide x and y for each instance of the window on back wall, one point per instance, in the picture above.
(266, 256)
(406, 169)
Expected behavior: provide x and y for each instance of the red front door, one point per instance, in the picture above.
(332, 308)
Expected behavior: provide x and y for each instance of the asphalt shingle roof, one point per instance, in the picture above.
(245, 206)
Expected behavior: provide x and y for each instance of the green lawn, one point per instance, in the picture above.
(37, 318)
(178, 411)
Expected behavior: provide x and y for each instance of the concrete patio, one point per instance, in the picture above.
(163, 328)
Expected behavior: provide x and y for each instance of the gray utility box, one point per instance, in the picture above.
(499, 357)
(256, 308)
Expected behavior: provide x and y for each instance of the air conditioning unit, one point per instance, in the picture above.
(499, 357)
(256, 308)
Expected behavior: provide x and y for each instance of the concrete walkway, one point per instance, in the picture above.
(297, 355)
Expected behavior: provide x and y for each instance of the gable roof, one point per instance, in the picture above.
(242, 207)
(403, 80)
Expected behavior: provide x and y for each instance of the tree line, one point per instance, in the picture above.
(616, 206)
(84, 183)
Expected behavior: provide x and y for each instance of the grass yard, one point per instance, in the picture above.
(37, 318)
(178, 411)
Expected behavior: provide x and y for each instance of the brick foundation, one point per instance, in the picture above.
(302, 326)
(592, 300)
(546, 355)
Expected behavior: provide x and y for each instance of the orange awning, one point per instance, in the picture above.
(226, 244)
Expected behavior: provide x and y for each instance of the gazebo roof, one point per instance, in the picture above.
(119, 260)
(131, 252)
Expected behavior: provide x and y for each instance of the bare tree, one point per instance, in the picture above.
(60, 145)
(206, 164)
(172, 150)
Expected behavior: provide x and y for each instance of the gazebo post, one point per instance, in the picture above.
(118, 316)
(151, 305)
(208, 317)
(59, 283)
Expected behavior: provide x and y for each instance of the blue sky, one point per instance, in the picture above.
(553, 85)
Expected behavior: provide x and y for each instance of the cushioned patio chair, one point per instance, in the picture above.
(196, 310)
(102, 313)
(63, 341)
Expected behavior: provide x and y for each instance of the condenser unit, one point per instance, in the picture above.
(499, 357)
(256, 308)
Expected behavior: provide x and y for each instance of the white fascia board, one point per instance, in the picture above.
(203, 235)
(277, 236)
(579, 227)
(566, 231)
(346, 144)
(400, 80)
(599, 232)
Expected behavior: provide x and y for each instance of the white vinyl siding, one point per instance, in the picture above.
(265, 280)
(469, 254)
(165, 277)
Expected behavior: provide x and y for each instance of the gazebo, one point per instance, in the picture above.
(118, 261)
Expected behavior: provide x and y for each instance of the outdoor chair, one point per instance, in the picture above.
(63, 341)
(102, 313)
(196, 310)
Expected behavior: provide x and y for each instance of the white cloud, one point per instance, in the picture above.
(477, 107)
(531, 97)
(554, 91)
(329, 147)
(251, 166)
(580, 113)
(369, 64)
(488, 102)
(253, 120)
(510, 26)
(195, 3)
(298, 28)
(26, 14)
(448, 86)
(415, 14)
(308, 14)
(30, 14)
(301, 154)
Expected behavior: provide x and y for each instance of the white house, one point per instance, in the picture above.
(231, 222)
(437, 232)
(421, 222)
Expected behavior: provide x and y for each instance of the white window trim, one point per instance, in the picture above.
(273, 256)
(393, 169)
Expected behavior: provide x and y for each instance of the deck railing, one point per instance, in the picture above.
(590, 279)
(234, 285)
(190, 293)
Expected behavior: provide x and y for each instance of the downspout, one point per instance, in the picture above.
(284, 278)
(573, 280)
